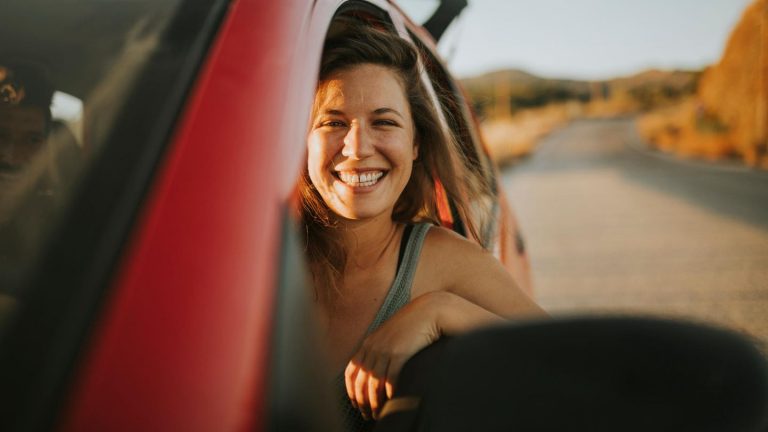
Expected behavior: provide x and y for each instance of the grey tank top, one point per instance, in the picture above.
(398, 296)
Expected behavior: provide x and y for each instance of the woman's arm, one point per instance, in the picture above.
(459, 287)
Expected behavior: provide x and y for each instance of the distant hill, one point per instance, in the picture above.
(502, 93)
(675, 78)
(521, 90)
(512, 75)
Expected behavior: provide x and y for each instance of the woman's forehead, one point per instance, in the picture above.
(361, 86)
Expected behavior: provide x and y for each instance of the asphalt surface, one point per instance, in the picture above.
(613, 227)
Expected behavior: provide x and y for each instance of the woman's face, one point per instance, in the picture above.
(361, 142)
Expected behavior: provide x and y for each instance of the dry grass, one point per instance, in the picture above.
(683, 130)
(618, 105)
(686, 131)
(509, 139)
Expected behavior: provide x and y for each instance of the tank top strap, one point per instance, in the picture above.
(400, 292)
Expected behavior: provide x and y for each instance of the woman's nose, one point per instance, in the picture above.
(357, 143)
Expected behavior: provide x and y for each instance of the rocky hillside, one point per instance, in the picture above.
(735, 91)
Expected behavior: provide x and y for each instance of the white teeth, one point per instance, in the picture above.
(360, 180)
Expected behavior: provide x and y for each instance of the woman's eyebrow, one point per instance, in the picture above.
(333, 112)
(386, 110)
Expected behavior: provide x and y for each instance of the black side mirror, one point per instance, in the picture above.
(590, 374)
(445, 13)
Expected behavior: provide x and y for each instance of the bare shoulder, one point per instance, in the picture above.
(450, 262)
(448, 245)
(454, 256)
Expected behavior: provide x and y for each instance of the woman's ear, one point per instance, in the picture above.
(415, 150)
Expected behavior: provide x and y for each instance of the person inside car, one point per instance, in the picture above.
(25, 119)
(388, 279)
(38, 157)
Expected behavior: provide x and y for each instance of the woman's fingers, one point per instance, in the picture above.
(365, 382)
(355, 381)
(376, 391)
(393, 372)
(361, 393)
(350, 375)
(389, 388)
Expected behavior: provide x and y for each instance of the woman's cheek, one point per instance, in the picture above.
(317, 156)
(326, 145)
(313, 145)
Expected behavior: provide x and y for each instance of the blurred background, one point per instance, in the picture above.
(632, 139)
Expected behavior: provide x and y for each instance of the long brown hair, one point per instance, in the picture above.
(439, 157)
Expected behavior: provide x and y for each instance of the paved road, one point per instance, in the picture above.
(613, 227)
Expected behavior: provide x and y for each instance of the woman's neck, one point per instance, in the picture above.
(368, 242)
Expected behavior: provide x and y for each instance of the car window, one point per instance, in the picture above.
(66, 67)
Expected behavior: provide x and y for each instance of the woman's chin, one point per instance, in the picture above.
(358, 215)
(362, 212)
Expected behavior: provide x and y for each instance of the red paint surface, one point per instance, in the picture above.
(184, 341)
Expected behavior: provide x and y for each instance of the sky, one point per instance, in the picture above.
(584, 39)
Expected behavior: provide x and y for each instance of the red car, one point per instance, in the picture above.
(151, 277)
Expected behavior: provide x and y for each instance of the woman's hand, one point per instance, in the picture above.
(371, 374)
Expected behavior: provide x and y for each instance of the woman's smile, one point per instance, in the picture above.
(360, 180)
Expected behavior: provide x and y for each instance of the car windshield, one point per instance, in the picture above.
(66, 68)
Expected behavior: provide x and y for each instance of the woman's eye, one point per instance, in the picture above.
(384, 122)
(333, 123)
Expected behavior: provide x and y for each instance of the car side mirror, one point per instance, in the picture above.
(446, 12)
(585, 374)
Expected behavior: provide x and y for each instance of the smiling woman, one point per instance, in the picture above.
(389, 280)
